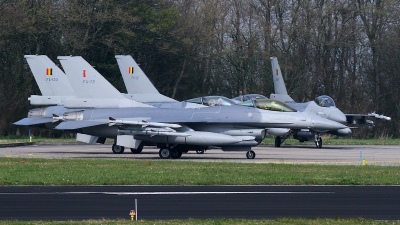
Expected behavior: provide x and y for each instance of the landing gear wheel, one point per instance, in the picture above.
(200, 151)
(165, 153)
(278, 141)
(176, 154)
(117, 149)
(136, 151)
(250, 154)
(318, 142)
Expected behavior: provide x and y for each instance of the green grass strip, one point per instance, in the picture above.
(21, 171)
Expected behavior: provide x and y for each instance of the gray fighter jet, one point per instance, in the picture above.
(323, 106)
(56, 90)
(174, 130)
(191, 129)
(212, 122)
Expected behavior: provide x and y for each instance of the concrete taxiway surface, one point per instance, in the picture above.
(385, 155)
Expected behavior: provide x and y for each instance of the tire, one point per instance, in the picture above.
(175, 154)
(278, 141)
(318, 143)
(117, 149)
(250, 154)
(165, 153)
(136, 151)
(200, 151)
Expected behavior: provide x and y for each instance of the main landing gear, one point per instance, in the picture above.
(166, 153)
(117, 149)
(250, 154)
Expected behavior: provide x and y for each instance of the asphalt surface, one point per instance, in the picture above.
(383, 155)
(182, 202)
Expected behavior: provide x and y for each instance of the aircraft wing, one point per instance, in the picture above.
(142, 123)
(142, 127)
(77, 124)
(351, 118)
(33, 121)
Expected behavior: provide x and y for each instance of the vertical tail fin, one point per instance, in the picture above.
(137, 84)
(85, 80)
(49, 77)
(135, 80)
(279, 84)
(91, 88)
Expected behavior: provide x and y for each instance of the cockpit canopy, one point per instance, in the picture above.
(248, 97)
(268, 104)
(212, 101)
(325, 101)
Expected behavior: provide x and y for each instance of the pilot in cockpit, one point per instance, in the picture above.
(325, 101)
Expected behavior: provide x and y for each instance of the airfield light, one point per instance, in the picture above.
(132, 214)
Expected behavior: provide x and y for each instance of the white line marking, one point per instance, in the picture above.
(161, 193)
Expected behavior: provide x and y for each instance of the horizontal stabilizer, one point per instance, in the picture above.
(33, 121)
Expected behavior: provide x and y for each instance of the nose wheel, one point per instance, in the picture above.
(200, 151)
(278, 141)
(250, 154)
(318, 142)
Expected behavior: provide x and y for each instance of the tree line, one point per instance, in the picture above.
(347, 49)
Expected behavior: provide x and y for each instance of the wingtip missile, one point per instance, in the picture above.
(380, 116)
(143, 123)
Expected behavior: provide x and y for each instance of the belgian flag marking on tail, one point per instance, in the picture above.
(84, 73)
(49, 71)
(130, 70)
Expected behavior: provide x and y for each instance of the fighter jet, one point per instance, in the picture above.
(178, 130)
(175, 130)
(246, 135)
(323, 106)
(56, 90)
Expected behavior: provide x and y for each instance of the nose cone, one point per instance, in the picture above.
(336, 115)
(319, 123)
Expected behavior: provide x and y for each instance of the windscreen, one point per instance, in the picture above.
(325, 101)
(217, 101)
(273, 105)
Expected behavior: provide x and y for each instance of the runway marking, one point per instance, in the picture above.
(164, 193)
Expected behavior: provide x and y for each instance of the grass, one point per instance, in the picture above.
(21, 171)
(332, 140)
(337, 221)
